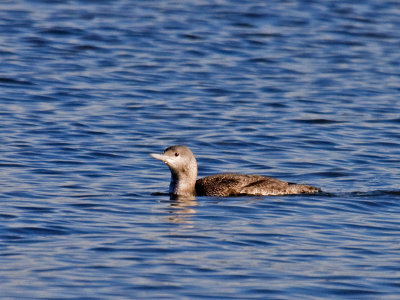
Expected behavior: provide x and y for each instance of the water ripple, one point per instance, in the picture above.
(303, 91)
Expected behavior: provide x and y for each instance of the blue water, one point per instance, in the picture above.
(306, 91)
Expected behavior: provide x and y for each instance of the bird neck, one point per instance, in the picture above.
(183, 181)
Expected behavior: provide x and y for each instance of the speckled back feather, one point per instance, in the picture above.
(238, 184)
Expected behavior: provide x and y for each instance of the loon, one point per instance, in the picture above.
(183, 166)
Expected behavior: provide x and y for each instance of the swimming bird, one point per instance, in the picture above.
(183, 166)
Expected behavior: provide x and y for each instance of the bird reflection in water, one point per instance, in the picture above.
(181, 209)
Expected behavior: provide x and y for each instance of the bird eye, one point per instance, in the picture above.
(176, 154)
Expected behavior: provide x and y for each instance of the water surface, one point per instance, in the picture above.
(307, 92)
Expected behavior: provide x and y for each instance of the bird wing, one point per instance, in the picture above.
(237, 184)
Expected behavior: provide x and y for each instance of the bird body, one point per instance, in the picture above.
(240, 184)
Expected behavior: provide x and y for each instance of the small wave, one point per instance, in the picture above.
(376, 193)
(8, 80)
(37, 231)
(317, 121)
(361, 194)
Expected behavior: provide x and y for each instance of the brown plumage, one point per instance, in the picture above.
(238, 184)
(183, 166)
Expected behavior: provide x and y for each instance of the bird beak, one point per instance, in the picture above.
(161, 157)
